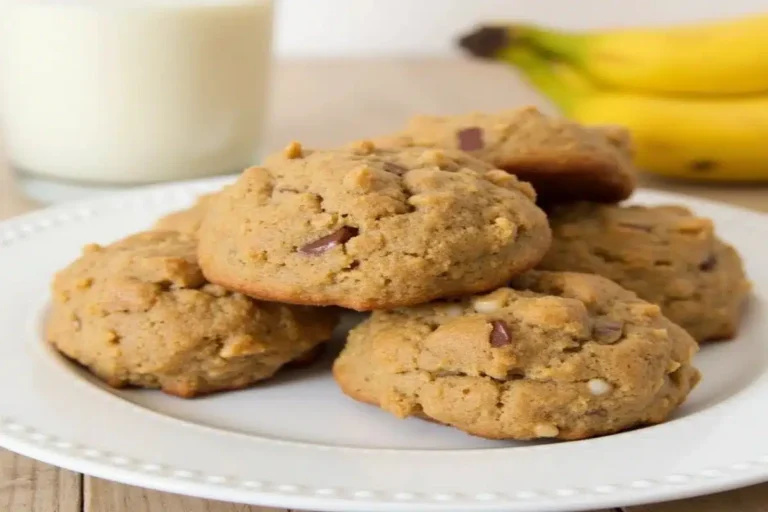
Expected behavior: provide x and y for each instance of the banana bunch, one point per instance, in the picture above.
(695, 98)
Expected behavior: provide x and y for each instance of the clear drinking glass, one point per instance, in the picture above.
(99, 94)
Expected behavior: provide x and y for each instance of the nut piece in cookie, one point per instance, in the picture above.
(369, 228)
(140, 313)
(563, 160)
(665, 254)
(555, 355)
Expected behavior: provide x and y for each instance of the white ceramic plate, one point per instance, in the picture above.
(297, 442)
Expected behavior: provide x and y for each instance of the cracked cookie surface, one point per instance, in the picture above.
(368, 228)
(564, 161)
(139, 312)
(665, 254)
(556, 355)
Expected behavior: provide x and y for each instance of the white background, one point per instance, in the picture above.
(428, 27)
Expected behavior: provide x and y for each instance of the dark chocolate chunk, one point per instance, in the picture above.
(500, 335)
(338, 237)
(606, 331)
(470, 139)
(709, 263)
(485, 42)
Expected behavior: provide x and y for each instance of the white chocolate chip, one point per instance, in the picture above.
(673, 365)
(546, 430)
(489, 303)
(486, 305)
(452, 310)
(599, 387)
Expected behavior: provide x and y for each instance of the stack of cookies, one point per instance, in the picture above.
(512, 297)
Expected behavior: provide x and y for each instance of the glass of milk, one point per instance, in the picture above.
(102, 93)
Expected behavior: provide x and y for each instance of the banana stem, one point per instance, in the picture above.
(566, 46)
(560, 84)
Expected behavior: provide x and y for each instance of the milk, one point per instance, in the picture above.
(133, 91)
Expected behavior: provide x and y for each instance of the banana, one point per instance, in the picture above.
(713, 139)
(717, 58)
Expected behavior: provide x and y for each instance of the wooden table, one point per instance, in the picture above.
(324, 103)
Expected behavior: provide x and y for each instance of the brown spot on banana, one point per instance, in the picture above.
(703, 165)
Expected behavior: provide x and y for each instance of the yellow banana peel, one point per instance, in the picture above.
(714, 58)
(703, 138)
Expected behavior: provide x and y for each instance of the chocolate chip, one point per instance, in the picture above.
(338, 237)
(709, 263)
(500, 335)
(485, 42)
(394, 168)
(606, 331)
(470, 139)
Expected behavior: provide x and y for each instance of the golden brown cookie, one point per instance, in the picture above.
(139, 312)
(665, 254)
(618, 137)
(367, 228)
(557, 355)
(187, 220)
(563, 160)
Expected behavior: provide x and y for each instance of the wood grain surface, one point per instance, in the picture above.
(322, 103)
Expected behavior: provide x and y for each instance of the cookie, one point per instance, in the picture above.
(665, 254)
(556, 355)
(187, 220)
(368, 228)
(618, 137)
(139, 312)
(563, 160)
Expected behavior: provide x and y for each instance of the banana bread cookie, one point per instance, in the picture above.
(368, 228)
(563, 160)
(556, 355)
(139, 312)
(187, 220)
(665, 254)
